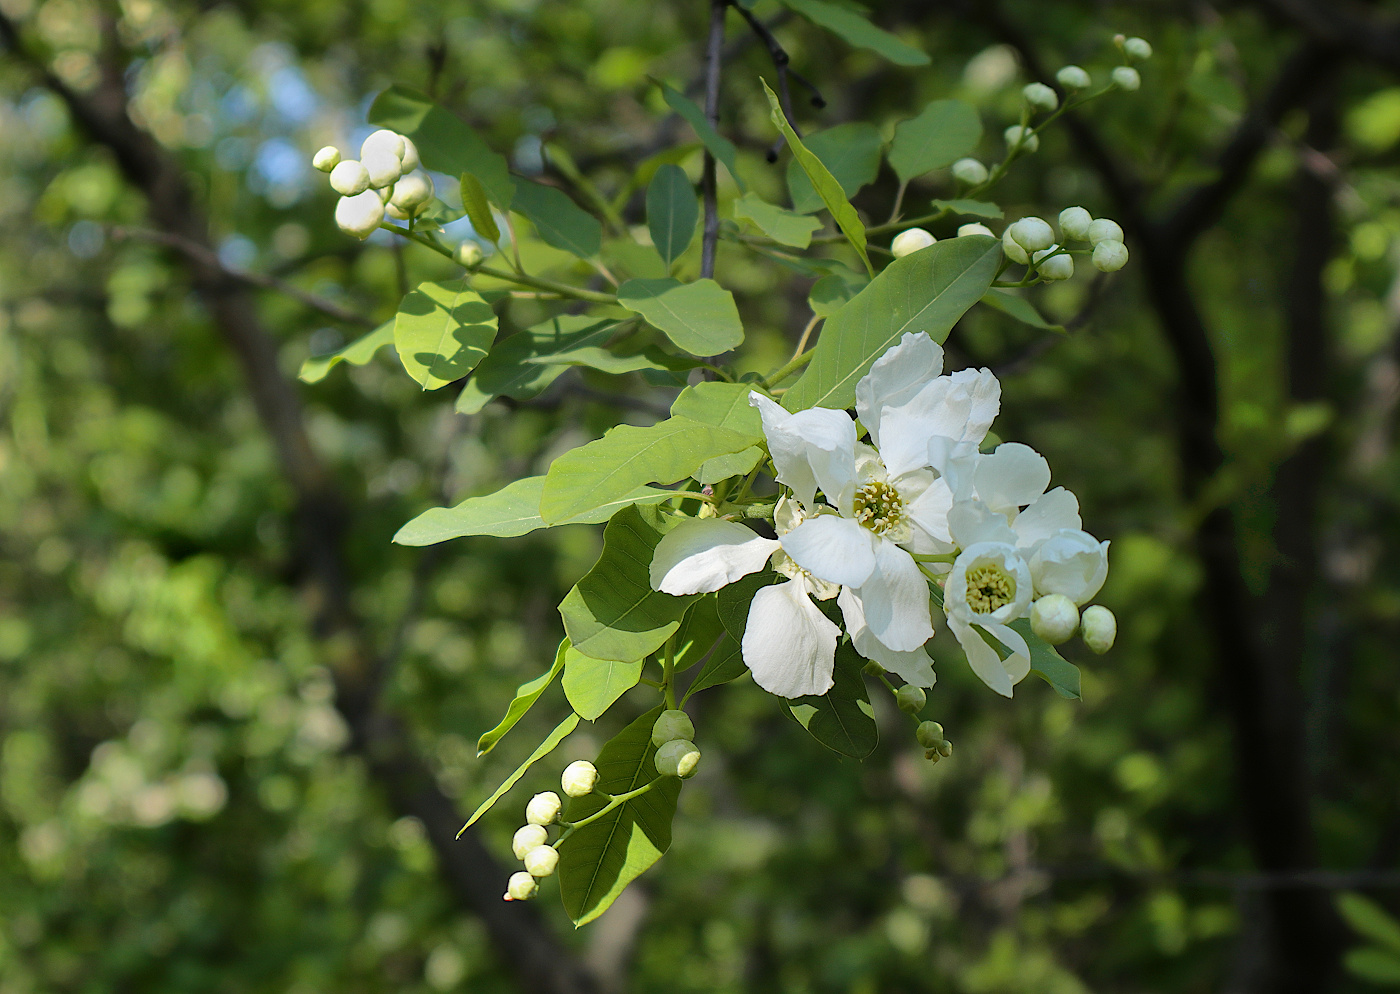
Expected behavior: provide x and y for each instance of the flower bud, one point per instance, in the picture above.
(970, 171)
(1110, 256)
(1104, 230)
(1073, 78)
(383, 142)
(1013, 251)
(527, 837)
(1032, 234)
(929, 734)
(1054, 618)
(1041, 97)
(677, 758)
(359, 215)
(543, 809)
(468, 255)
(975, 229)
(409, 159)
(384, 169)
(521, 887)
(541, 861)
(412, 192)
(396, 212)
(1126, 78)
(672, 725)
(1137, 48)
(944, 748)
(1074, 223)
(911, 699)
(349, 178)
(326, 159)
(1053, 267)
(1098, 628)
(1024, 137)
(909, 242)
(579, 778)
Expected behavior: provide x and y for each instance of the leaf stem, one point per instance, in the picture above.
(668, 678)
(797, 363)
(806, 334)
(615, 801)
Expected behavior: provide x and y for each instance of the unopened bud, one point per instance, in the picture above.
(541, 861)
(1109, 257)
(911, 699)
(672, 725)
(1074, 223)
(527, 837)
(944, 748)
(409, 159)
(543, 809)
(1032, 234)
(929, 734)
(521, 887)
(1054, 618)
(384, 142)
(1053, 267)
(1041, 97)
(1126, 78)
(1073, 78)
(468, 255)
(909, 242)
(932, 756)
(412, 192)
(349, 178)
(1104, 230)
(384, 169)
(359, 215)
(396, 212)
(677, 758)
(1137, 48)
(1013, 251)
(326, 159)
(970, 171)
(1098, 628)
(1016, 135)
(579, 778)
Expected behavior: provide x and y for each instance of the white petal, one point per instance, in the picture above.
(1046, 515)
(929, 511)
(788, 643)
(955, 462)
(1018, 664)
(1003, 555)
(703, 554)
(832, 548)
(1070, 562)
(787, 449)
(812, 448)
(896, 377)
(1012, 476)
(971, 522)
(984, 660)
(895, 599)
(913, 667)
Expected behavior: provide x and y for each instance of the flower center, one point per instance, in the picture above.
(989, 587)
(879, 507)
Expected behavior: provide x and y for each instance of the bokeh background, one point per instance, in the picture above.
(237, 725)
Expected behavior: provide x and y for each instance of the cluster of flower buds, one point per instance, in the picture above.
(1055, 618)
(676, 752)
(911, 240)
(930, 736)
(384, 180)
(1125, 77)
(1031, 242)
(531, 841)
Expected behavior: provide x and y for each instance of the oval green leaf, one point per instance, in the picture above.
(594, 685)
(699, 317)
(672, 212)
(525, 697)
(442, 331)
(942, 133)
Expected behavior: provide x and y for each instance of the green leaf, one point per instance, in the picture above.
(733, 601)
(850, 152)
(1374, 965)
(1046, 663)
(435, 212)
(442, 331)
(942, 133)
(720, 147)
(594, 685)
(474, 199)
(513, 510)
(842, 719)
(509, 372)
(559, 221)
(628, 457)
(672, 213)
(1018, 307)
(357, 353)
(560, 733)
(1370, 919)
(612, 612)
(971, 208)
(699, 317)
(927, 291)
(822, 181)
(525, 697)
(855, 30)
(724, 665)
(699, 632)
(725, 405)
(784, 227)
(605, 361)
(446, 144)
(830, 293)
(600, 859)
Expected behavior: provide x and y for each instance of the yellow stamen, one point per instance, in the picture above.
(989, 587)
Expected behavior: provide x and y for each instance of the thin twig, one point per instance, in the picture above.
(781, 63)
(713, 51)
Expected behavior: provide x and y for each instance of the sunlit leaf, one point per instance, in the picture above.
(594, 685)
(442, 331)
(1370, 919)
(725, 405)
(672, 212)
(560, 733)
(509, 372)
(525, 697)
(478, 209)
(699, 317)
(357, 353)
(783, 226)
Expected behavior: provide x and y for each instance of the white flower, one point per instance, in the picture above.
(412, 191)
(409, 159)
(1070, 562)
(989, 586)
(700, 555)
(1013, 250)
(1098, 628)
(385, 142)
(1054, 618)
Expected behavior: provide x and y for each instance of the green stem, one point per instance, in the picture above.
(783, 373)
(668, 678)
(614, 802)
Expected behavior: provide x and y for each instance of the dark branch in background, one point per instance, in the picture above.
(714, 48)
(472, 875)
(782, 63)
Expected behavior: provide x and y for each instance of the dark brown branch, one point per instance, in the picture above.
(782, 64)
(714, 48)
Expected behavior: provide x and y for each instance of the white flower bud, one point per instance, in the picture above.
(677, 758)
(349, 178)
(1137, 48)
(527, 837)
(1041, 97)
(1074, 223)
(672, 725)
(579, 778)
(412, 192)
(1098, 627)
(521, 887)
(409, 159)
(929, 734)
(384, 169)
(468, 255)
(1126, 78)
(909, 242)
(1053, 267)
(543, 809)
(1032, 234)
(970, 171)
(910, 699)
(1017, 135)
(975, 229)
(395, 212)
(1104, 230)
(326, 159)
(541, 861)
(359, 215)
(1054, 618)
(1013, 251)
(383, 141)
(1110, 256)
(1073, 78)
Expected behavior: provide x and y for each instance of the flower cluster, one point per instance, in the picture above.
(384, 180)
(917, 516)
(531, 843)
(1031, 242)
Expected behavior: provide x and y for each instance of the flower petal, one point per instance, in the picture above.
(788, 643)
(1047, 514)
(1070, 562)
(895, 599)
(913, 667)
(703, 554)
(812, 448)
(1012, 476)
(896, 377)
(832, 548)
(984, 660)
(1018, 664)
(971, 522)
(930, 510)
